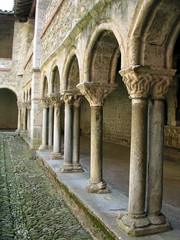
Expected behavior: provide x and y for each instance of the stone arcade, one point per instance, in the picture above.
(108, 69)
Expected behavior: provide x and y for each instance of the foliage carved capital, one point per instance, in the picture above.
(55, 99)
(161, 82)
(78, 98)
(96, 92)
(45, 102)
(144, 82)
(137, 80)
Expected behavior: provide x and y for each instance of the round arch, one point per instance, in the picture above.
(152, 26)
(71, 62)
(54, 84)
(11, 88)
(97, 31)
(44, 86)
(9, 109)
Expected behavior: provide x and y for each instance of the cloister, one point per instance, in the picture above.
(106, 70)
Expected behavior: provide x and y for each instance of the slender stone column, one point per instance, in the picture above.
(24, 117)
(28, 105)
(159, 89)
(19, 117)
(29, 119)
(45, 104)
(68, 134)
(76, 133)
(50, 135)
(155, 166)
(138, 156)
(56, 154)
(27, 127)
(95, 94)
(138, 86)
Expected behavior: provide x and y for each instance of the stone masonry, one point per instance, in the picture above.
(30, 206)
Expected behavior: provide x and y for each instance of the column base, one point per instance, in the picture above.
(43, 147)
(143, 226)
(50, 147)
(70, 168)
(66, 168)
(17, 131)
(77, 168)
(56, 156)
(100, 187)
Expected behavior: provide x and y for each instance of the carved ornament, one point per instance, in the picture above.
(77, 100)
(137, 80)
(144, 82)
(55, 99)
(161, 82)
(45, 102)
(19, 104)
(96, 92)
(68, 97)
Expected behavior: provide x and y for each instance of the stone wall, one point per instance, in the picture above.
(172, 136)
(116, 116)
(6, 38)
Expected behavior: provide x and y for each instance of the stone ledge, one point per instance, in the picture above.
(97, 213)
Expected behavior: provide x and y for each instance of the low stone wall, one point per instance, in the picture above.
(172, 136)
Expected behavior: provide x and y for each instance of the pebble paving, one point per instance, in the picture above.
(30, 206)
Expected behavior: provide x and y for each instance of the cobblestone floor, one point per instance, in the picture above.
(30, 206)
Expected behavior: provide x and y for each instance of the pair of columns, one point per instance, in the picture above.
(53, 103)
(19, 105)
(72, 129)
(144, 209)
(71, 132)
(24, 109)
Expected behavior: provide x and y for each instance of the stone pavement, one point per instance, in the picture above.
(30, 206)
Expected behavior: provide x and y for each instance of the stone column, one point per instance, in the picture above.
(50, 134)
(45, 104)
(159, 89)
(56, 154)
(95, 93)
(24, 117)
(141, 84)
(29, 132)
(19, 117)
(76, 133)
(28, 104)
(68, 133)
(137, 81)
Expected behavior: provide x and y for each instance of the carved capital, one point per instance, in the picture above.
(137, 80)
(96, 93)
(77, 100)
(161, 82)
(143, 81)
(23, 104)
(55, 100)
(28, 105)
(68, 97)
(45, 102)
(19, 104)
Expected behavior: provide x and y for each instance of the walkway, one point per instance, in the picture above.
(105, 208)
(30, 206)
(116, 173)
